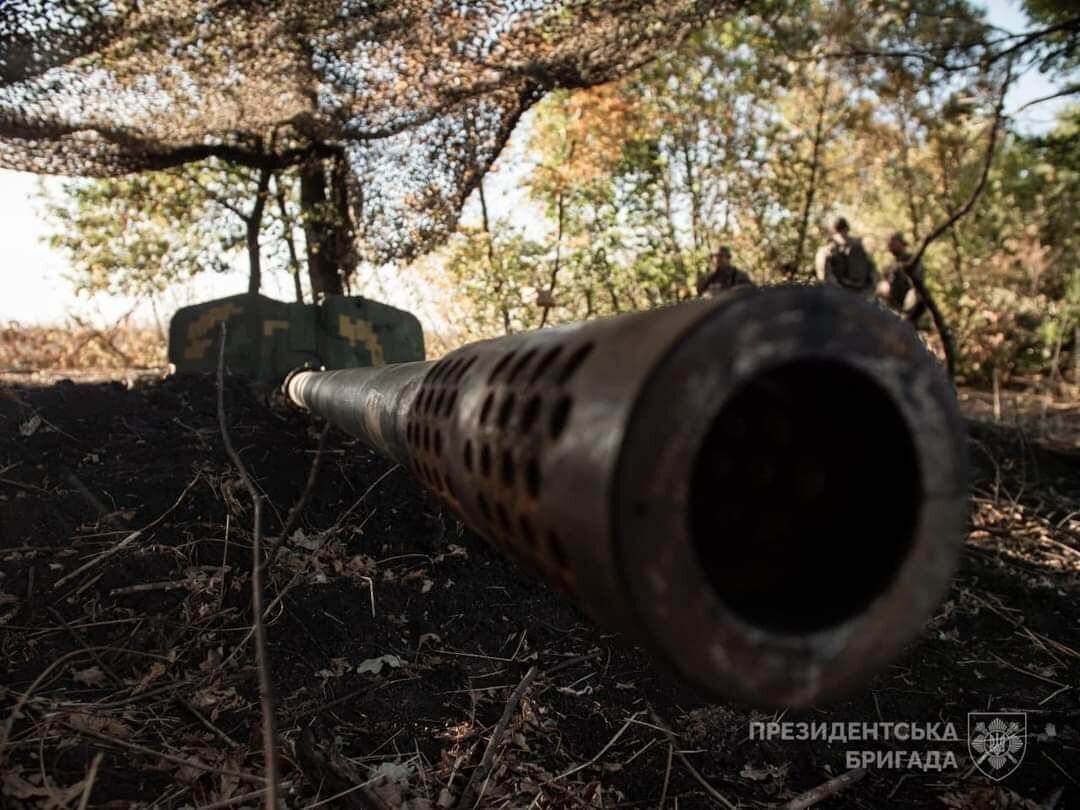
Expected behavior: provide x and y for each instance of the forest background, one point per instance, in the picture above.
(755, 133)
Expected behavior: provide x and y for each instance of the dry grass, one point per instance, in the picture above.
(79, 345)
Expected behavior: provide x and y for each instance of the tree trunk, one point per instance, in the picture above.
(815, 167)
(254, 225)
(287, 234)
(492, 272)
(676, 250)
(692, 189)
(486, 224)
(558, 258)
(322, 269)
(1076, 355)
(343, 228)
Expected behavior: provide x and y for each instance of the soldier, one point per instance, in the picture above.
(724, 275)
(844, 262)
(896, 288)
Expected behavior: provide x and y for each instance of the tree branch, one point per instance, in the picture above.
(938, 56)
(287, 235)
(266, 695)
(909, 266)
(217, 198)
(1071, 90)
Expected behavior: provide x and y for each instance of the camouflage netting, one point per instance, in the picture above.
(419, 97)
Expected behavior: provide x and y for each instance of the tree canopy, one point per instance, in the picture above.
(415, 98)
(755, 133)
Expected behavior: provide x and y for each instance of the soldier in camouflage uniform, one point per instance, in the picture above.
(896, 289)
(844, 262)
(724, 275)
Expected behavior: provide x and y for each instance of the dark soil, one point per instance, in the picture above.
(143, 658)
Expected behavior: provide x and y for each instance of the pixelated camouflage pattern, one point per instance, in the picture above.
(266, 339)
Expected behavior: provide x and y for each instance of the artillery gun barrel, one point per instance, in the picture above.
(767, 490)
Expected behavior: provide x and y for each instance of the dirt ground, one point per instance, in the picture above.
(127, 675)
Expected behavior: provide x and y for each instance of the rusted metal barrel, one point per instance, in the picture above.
(767, 491)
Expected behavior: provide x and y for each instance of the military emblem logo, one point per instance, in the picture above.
(997, 742)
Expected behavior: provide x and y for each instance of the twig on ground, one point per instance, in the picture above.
(674, 741)
(667, 775)
(49, 424)
(224, 561)
(86, 585)
(102, 510)
(297, 510)
(356, 693)
(25, 696)
(569, 662)
(217, 731)
(88, 783)
(480, 774)
(251, 632)
(82, 642)
(21, 485)
(363, 497)
(187, 763)
(243, 797)
(1053, 695)
(361, 787)
(127, 541)
(266, 697)
(629, 721)
(1054, 762)
(1052, 800)
(825, 790)
(143, 587)
(323, 767)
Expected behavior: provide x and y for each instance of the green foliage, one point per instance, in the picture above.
(138, 234)
(1017, 303)
(759, 130)
(754, 133)
(141, 233)
(499, 277)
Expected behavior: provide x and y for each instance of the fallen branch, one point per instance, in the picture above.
(674, 742)
(103, 512)
(82, 643)
(667, 775)
(297, 510)
(88, 783)
(480, 774)
(127, 541)
(262, 665)
(824, 791)
(187, 763)
(16, 710)
(629, 721)
(143, 587)
(323, 767)
(28, 487)
(251, 632)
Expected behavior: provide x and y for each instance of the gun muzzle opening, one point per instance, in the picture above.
(789, 496)
(804, 497)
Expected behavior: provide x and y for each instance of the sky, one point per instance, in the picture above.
(35, 290)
